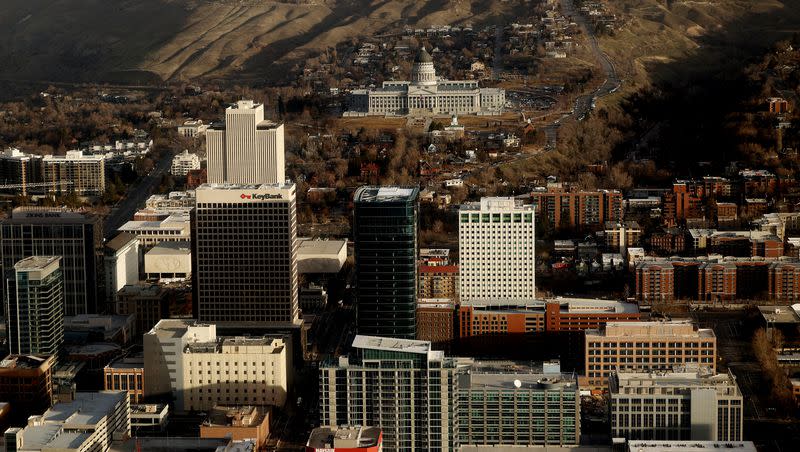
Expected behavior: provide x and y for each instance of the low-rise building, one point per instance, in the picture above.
(174, 228)
(321, 256)
(148, 303)
(168, 262)
(91, 422)
(126, 374)
(192, 128)
(149, 417)
(675, 406)
(183, 163)
(187, 360)
(238, 423)
(119, 329)
(646, 346)
(345, 439)
(436, 321)
(501, 403)
(26, 382)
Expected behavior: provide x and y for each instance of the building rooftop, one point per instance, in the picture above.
(36, 263)
(128, 362)
(120, 241)
(781, 314)
(386, 194)
(208, 187)
(651, 330)
(310, 247)
(498, 204)
(691, 446)
(86, 410)
(392, 344)
(179, 248)
(24, 361)
(589, 305)
(640, 382)
(236, 416)
(344, 437)
(221, 342)
(49, 215)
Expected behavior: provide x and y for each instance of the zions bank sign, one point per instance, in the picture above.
(259, 196)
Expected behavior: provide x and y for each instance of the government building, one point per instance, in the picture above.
(425, 95)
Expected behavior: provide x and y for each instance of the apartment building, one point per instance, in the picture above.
(620, 235)
(497, 247)
(187, 360)
(246, 149)
(183, 163)
(646, 346)
(401, 386)
(784, 281)
(675, 406)
(18, 170)
(75, 173)
(436, 321)
(566, 208)
(35, 310)
(438, 281)
(502, 404)
(90, 422)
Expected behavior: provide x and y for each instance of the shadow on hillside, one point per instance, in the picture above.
(690, 105)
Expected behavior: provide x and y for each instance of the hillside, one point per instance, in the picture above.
(152, 40)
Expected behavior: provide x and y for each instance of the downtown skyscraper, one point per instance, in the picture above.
(385, 234)
(35, 311)
(246, 149)
(245, 255)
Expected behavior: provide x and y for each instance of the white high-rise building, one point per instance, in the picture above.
(247, 149)
(497, 252)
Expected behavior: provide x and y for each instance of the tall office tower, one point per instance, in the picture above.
(496, 239)
(399, 385)
(385, 235)
(35, 312)
(247, 149)
(77, 238)
(245, 255)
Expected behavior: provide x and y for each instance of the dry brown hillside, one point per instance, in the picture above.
(140, 40)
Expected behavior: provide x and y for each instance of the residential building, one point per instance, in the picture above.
(121, 260)
(175, 227)
(186, 359)
(401, 386)
(620, 235)
(497, 243)
(126, 374)
(76, 237)
(18, 170)
(192, 128)
(502, 403)
(26, 382)
(345, 439)
(168, 262)
(35, 310)
(426, 95)
(91, 422)
(675, 406)
(149, 303)
(385, 222)
(183, 163)
(245, 255)
(566, 208)
(438, 281)
(784, 281)
(646, 346)
(436, 319)
(75, 173)
(246, 149)
(671, 241)
(238, 422)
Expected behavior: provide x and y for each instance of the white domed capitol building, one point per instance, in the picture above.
(425, 95)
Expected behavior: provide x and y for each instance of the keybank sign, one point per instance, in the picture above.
(260, 196)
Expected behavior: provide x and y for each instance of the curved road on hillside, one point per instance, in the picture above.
(584, 103)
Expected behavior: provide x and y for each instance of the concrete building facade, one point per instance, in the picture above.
(183, 163)
(675, 406)
(246, 149)
(121, 258)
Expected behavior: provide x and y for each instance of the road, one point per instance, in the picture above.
(585, 103)
(136, 196)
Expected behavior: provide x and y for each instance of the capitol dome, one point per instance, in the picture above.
(423, 72)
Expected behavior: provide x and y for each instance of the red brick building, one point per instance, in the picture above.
(577, 209)
(436, 320)
(655, 282)
(778, 105)
(670, 241)
(580, 315)
(784, 281)
(196, 178)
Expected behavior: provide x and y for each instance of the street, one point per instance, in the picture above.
(136, 195)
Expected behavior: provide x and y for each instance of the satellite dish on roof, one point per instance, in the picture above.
(517, 384)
